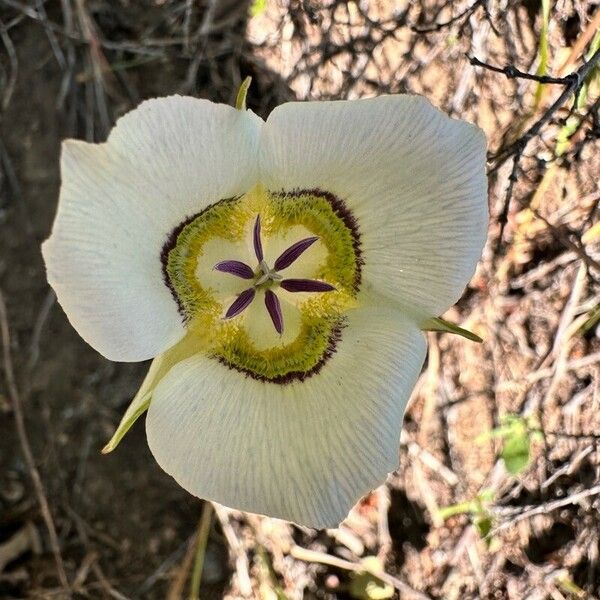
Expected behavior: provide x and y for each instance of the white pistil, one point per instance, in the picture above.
(267, 274)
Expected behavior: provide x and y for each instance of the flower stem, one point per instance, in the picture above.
(203, 531)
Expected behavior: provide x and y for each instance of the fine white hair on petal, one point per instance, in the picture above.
(413, 178)
(305, 451)
(163, 162)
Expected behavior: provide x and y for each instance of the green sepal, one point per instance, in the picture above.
(191, 344)
(439, 324)
(240, 100)
(135, 410)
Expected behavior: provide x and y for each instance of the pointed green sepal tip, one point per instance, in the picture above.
(439, 324)
(136, 409)
(240, 101)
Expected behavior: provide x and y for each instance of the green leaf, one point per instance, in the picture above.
(570, 587)
(365, 585)
(498, 432)
(258, 7)
(517, 434)
(563, 139)
(461, 508)
(515, 452)
(439, 324)
(591, 321)
(483, 525)
(475, 506)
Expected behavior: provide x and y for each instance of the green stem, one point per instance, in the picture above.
(203, 531)
(543, 50)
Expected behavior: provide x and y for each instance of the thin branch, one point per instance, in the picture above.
(512, 72)
(545, 508)
(575, 80)
(432, 27)
(579, 250)
(572, 84)
(14, 65)
(25, 445)
(300, 553)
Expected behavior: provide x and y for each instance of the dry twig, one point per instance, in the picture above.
(26, 447)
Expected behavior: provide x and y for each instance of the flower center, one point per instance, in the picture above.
(266, 277)
(269, 277)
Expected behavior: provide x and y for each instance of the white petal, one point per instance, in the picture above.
(165, 161)
(413, 178)
(304, 451)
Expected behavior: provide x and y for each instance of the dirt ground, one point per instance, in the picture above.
(123, 528)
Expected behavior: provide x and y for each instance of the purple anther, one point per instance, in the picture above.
(274, 310)
(242, 302)
(287, 257)
(306, 285)
(258, 249)
(235, 267)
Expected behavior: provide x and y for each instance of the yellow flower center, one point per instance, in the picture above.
(308, 258)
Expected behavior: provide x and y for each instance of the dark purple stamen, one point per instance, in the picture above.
(306, 285)
(287, 257)
(235, 267)
(267, 277)
(258, 249)
(274, 310)
(242, 302)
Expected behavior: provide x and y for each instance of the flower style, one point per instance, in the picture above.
(280, 273)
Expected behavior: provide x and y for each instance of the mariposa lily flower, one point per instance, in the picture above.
(280, 273)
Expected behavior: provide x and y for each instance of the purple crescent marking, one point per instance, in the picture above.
(288, 256)
(306, 285)
(235, 267)
(242, 302)
(258, 249)
(274, 309)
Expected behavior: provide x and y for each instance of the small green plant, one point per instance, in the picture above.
(477, 508)
(573, 122)
(543, 50)
(517, 434)
(592, 320)
(365, 585)
(258, 7)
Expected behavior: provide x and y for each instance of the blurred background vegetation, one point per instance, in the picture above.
(498, 491)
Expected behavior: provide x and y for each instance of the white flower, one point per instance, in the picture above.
(281, 273)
